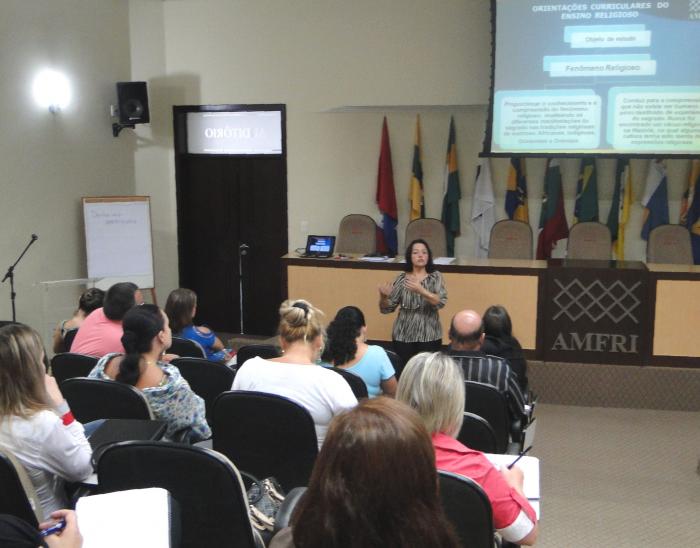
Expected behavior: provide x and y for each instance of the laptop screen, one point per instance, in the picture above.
(320, 246)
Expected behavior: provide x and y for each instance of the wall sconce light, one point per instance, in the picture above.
(51, 89)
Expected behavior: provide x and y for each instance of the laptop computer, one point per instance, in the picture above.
(319, 246)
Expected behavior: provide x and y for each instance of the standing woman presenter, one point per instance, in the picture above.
(420, 291)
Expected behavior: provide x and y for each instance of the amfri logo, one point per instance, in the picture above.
(596, 342)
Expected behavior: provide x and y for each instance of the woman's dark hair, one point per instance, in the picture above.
(497, 322)
(119, 299)
(140, 324)
(91, 299)
(429, 267)
(374, 484)
(179, 308)
(341, 334)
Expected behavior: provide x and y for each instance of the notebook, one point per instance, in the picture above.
(319, 246)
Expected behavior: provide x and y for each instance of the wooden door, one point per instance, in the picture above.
(232, 232)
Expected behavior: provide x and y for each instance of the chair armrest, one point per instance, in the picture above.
(284, 514)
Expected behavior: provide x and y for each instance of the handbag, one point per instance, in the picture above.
(264, 499)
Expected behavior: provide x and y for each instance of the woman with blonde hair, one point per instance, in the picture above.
(295, 374)
(433, 385)
(374, 485)
(36, 425)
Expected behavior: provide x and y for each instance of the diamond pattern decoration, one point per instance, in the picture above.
(694, 5)
(617, 302)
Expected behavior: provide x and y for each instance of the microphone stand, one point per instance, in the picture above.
(11, 274)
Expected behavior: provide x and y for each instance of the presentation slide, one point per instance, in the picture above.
(596, 77)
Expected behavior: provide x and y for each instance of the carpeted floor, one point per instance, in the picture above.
(618, 477)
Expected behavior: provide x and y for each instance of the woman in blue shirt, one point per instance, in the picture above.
(181, 308)
(346, 349)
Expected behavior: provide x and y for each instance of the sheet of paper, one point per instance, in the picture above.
(378, 259)
(135, 518)
(443, 260)
(531, 471)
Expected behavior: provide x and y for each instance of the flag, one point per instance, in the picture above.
(620, 207)
(483, 208)
(516, 193)
(416, 192)
(386, 197)
(690, 209)
(553, 225)
(450, 201)
(586, 208)
(655, 200)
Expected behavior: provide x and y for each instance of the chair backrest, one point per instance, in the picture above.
(430, 230)
(356, 234)
(487, 402)
(18, 496)
(68, 365)
(510, 240)
(468, 509)
(185, 348)
(68, 338)
(265, 435)
(265, 351)
(92, 399)
(476, 433)
(357, 385)
(589, 240)
(208, 488)
(396, 361)
(207, 379)
(670, 244)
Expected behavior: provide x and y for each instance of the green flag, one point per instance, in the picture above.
(450, 202)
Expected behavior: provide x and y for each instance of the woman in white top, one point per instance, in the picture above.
(295, 375)
(36, 425)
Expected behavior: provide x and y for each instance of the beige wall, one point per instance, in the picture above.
(340, 67)
(47, 162)
(319, 57)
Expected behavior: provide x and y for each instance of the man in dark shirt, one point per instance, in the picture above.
(466, 338)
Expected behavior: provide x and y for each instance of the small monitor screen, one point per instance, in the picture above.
(320, 246)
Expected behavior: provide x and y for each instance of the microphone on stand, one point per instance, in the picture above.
(34, 237)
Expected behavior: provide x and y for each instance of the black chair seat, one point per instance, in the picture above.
(208, 488)
(265, 351)
(476, 433)
(207, 379)
(186, 348)
(92, 399)
(265, 435)
(68, 365)
(13, 498)
(487, 402)
(357, 384)
(468, 509)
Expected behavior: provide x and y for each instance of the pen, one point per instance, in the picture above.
(521, 455)
(53, 529)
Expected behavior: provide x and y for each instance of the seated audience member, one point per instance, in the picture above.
(466, 338)
(17, 533)
(36, 425)
(374, 485)
(434, 386)
(295, 374)
(346, 349)
(499, 341)
(146, 337)
(181, 308)
(101, 332)
(90, 300)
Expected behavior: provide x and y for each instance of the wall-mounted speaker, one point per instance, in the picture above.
(133, 103)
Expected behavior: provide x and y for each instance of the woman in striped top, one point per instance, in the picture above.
(420, 291)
